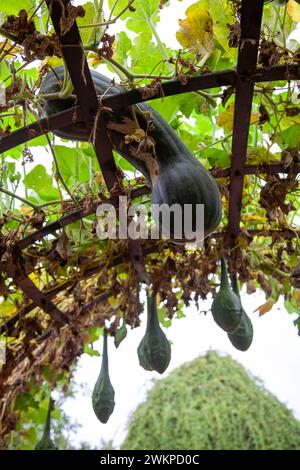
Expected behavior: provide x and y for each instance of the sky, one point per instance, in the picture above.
(273, 357)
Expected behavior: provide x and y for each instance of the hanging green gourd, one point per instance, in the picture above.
(103, 393)
(173, 173)
(226, 307)
(154, 351)
(241, 338)
(46, 443)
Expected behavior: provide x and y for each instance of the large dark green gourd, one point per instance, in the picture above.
(154, 351)
(181, 179)
(226, 308)
(241, 338)
(46, 443)
(103, 393)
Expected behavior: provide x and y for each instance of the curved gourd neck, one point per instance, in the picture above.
(152, 317)
(169, 147)
(104, 366)
(224, 274)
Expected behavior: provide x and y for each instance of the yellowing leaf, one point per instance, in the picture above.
(7, 308)
(7, 47)
(196, 30)
(115, 302)
(266, 307)
(52, 61)
(261, 155)
(27, 211)
(293, 9)
(297, 296)
(254, 218)
(225, 119)
(94, 59)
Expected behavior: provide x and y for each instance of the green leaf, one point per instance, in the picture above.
(145, 12)
(123, 46)
(217, 157)
(40, 141)
(10, 7)
(73, 164)
(290, 138)
(89, 18)
(41, 183)
(90, 351)
(146, 56)
(138, 20)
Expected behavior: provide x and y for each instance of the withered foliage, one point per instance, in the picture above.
(273, 195)
(35, 44)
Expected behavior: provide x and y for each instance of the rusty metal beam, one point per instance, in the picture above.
(31, 291)
(261, 169)
(66, 220)
(170, 88)
(6, 327)
(75, 60)
(38, 128)
(71, 218)
(251, 16)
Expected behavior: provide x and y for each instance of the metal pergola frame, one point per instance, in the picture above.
(243, 78)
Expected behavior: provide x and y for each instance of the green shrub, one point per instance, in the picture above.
(212, 403)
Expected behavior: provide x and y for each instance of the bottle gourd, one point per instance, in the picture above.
(103, 397)
(226, 307)
(179, 178)
(154, 351)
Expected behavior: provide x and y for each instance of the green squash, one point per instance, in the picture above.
(241, 338)
(46, 443)
(154, 351)
(181, 178)
(103, 393)
(226, 308)
(184, 181)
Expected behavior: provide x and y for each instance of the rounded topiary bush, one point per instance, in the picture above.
(212, 403)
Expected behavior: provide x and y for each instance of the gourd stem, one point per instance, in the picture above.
(224, 274)
(152, 317)
(160, 44)
(234, 285)
(13, 195)
(104, 365)
(48, 419)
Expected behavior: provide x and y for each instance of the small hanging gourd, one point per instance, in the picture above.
(154, 351)
(241, 338)
(103, 393)
(226, 308)
(46, 443)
